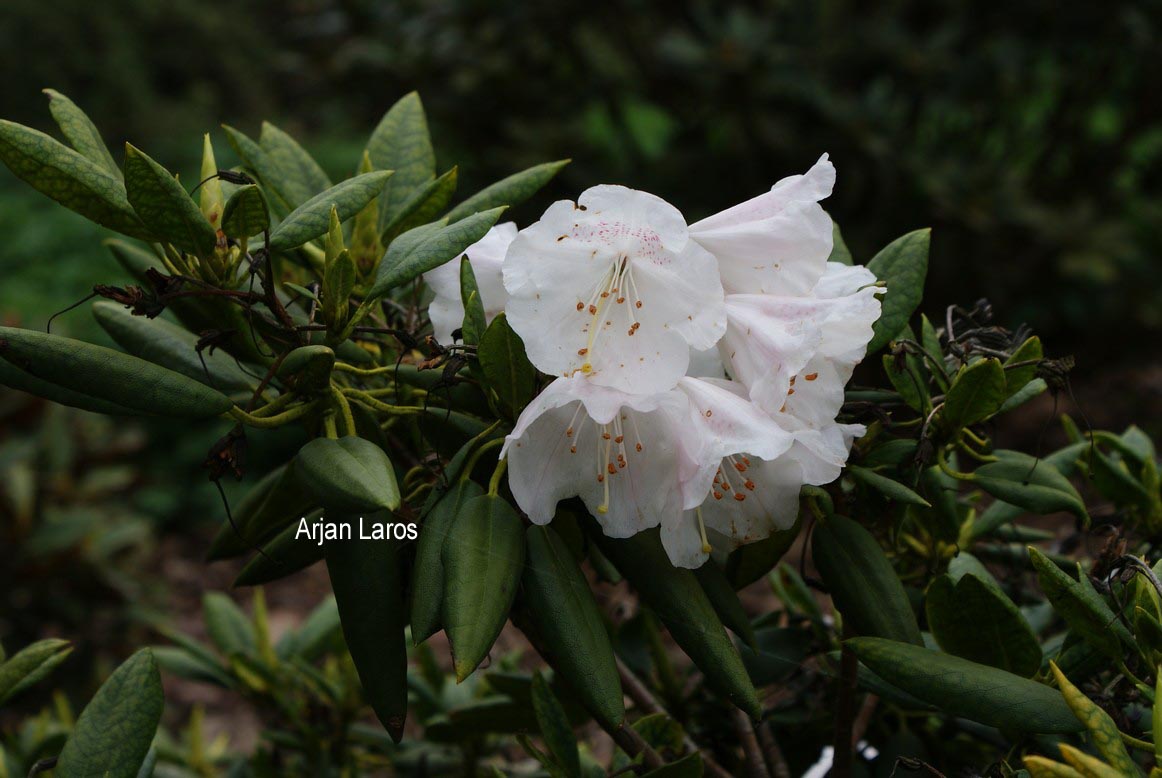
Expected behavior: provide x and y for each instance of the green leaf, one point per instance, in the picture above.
(310, 367)
(423, 206)
(1103, 732)
(973, 691)
(246, 213)
(930, 340)
(170, 346)
(1029, 483)
(229, 628)
(283, 555)
(15, 378)
(839, 251)
(424, 248)
(893, 489)
(113, 734)
(474, 320)
(80, 131)
(564, 614)
(1083, 609)
(299, 175)
(862, 582)
(401, 143)
(725, 601)
(902, 265)
(110, 375)
(1017, 377)
(483, 555)
(348, 474)
(510, 191)
(279, 499)
(977, 392)
(164, 206)
(555, 728)
(506, 367)
(748, 563)
(679, 601)
(689, 766)
(427, 589)
(30, 665)
(73, 180)
(263, 167)
(909, 381)
(311, 219)
(1023, 395)
(366, 579)
(778, 652)
(973, 619)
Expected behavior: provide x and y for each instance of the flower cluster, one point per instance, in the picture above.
(700, 368)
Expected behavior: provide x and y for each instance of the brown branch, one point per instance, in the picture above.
(866, 711)
(845, 715)
(775, 759)
(755, 767)
(644, 699)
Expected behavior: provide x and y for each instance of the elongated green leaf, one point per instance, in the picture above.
(908, 381)
(424, 248)
(368, 589)
(676, 597)
(1023, 395)
(975, 620)
(1017, 377)
(510, 191)
(170, 346)
(725, 601)
(30, 665)
(474, 320)
(746, 564)
(483, 558)
(112, 735)
(1083, 609)
(287, 553)
(1029, 483)
(902, 265)
(424, 205)
(506, 367)
(977, 392)
(246, 213)
(863, 585)
(278, 500)
(311, 219)
(164, 206)
(888, 486)
(555, 729)
(81, 132)
(300, 176)
(263, 167)
(777, 653)
(15, 378)
(401, 143)
(348, 474)
(110, 375)
(959, 687)
(427, 590)
(229, 628)
(1103, 732)
(73, 180)
(561, 607)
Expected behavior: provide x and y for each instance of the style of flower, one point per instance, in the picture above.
(485, 256)
(611, 287)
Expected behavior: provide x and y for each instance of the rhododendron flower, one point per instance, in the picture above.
(776, 243)
(613, 288)
(485, 255)
(634, 459)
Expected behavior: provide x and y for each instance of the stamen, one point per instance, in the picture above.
(811, 376)
(706, 547)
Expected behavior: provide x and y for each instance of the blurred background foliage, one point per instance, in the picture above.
(1028, 135)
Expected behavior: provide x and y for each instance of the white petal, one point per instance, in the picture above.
(486, 255)
(586, 276)
(776, 243)
(771, 505)
(558, 449)
(683, 541)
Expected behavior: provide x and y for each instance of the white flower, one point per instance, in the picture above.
(612, 287)
(486, 255)
(635, 460)
(776, 243)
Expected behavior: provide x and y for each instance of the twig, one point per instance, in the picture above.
(845, 715)
(863, 719)
(755, 767)
(775, 759)
(644, 699)
(634, 744)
